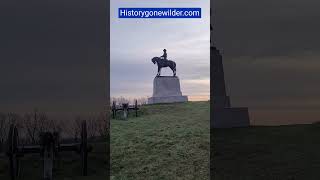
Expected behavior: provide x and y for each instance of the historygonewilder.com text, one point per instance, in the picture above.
(159, 12)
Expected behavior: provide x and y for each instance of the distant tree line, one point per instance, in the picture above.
(30, 125)
(121, 100)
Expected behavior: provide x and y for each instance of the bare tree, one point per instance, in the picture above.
(121, 100)
(42, 123)
(31, 125)
(55, 126)
(142, 100)
(75, 128)
(103, 124)
(13, 118)
(92, 126)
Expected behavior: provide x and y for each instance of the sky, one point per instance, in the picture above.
(271, 54)
(134, 42)
(53, 56)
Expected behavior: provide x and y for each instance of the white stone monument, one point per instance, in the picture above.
(166, 89)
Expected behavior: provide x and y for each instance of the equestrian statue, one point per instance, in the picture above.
(162, 62)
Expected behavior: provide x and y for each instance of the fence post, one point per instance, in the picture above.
(113, 109)
(136, 107)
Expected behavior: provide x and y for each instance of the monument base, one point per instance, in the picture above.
(168, 99)
(166, 89)
(227, 117)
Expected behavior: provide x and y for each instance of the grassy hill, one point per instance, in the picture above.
(267, 153)
(167, 141)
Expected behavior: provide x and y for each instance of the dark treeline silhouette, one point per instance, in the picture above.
(121, 100)
(30, 125)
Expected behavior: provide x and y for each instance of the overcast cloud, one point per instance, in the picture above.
(135, 41)
(271, 57)
(53, 56)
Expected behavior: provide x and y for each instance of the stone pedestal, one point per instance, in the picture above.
(166, 89)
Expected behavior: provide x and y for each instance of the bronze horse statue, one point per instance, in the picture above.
(164, 63)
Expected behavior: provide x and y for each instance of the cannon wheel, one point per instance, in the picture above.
(84, 149)
(12, 152)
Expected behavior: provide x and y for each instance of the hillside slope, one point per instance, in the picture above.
(167, 141)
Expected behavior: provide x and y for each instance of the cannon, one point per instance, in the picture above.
(48, 149)
(125, 108)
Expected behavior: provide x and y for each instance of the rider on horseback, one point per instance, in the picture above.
(163, 62)
(164, 56)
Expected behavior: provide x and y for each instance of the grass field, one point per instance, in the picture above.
(68, 168)
(167, 141)
(267, 153)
